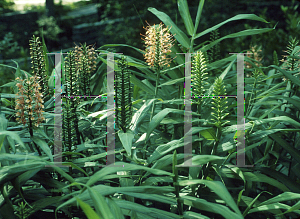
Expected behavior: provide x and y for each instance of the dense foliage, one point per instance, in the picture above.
(67, 165)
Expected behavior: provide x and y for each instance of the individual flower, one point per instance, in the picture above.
(158, 43)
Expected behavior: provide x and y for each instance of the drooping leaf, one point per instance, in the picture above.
(89, 212)
(177, 33)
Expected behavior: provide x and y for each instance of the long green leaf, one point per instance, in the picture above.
(193, 215)
(153, 212)
(89, 212)
(178, 34)
(253, 202)
(113, 168)
(14, 136)
(186, 17)
(141, 85)
(286, 196)
(218, 188)
(198, 16)
(159, 117)
(100, 204)
(237, 17)
(126, 139)
(108, 190)
(211, 207)
(238, 34)
(287, 74)
(290, 149)
(270, 207)
(175, 81)
(140, 115)
(43, 145)
(8, 173)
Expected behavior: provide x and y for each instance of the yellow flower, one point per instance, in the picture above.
(18, 106)
(284, 79)
(158, 43)
(29, 101)
(19, 85)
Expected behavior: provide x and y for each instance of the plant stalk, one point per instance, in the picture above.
(156, 91)
(31, 134)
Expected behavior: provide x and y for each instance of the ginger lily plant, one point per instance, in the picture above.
(157, 186)
(159, 42)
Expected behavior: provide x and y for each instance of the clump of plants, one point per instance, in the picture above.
(174, 148)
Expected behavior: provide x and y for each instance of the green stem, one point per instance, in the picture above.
(153, 106)
(208, 165)
(250, 106)
(156, 91)
(31, 134)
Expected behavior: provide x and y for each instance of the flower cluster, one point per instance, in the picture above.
(256, 52)
(199, 78)
(199, 68)
(289, 63)
(29, 101)
(158, 42)
(123, 95)
(85, 65)
(87, 52)
(38, 62)
(219, 103)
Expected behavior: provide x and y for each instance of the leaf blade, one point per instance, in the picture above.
(178, 34)
(186, 17)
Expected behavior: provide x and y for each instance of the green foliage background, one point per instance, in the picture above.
(148, 179)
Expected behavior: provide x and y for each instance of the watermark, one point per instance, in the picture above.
(110, 134)
(240, 160)
(188, 147)
(57, 110)
(240, 113)
(110, 138)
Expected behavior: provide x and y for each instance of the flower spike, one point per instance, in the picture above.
(158, 42)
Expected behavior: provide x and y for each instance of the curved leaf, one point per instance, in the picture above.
(43, 145)
(140, 114)
(238, 34)
(178, 34)
(126, 139)
(237, 17)
(286, 196)
(14, 136)
(211, 207)
(113, 168)
(89, 212)
(218, 188)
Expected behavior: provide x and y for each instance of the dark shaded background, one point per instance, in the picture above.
(62, 31)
